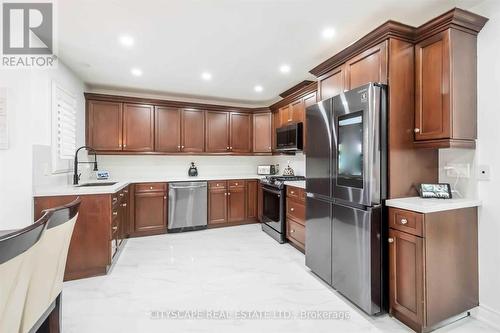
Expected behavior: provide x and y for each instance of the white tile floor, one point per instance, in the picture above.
(230, 269)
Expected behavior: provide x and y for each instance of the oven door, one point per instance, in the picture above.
(357, 134)
(273, 208)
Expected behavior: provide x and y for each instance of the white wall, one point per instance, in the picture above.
(29, 121)
(488, 152)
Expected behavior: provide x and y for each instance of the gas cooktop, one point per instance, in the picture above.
(278, 181)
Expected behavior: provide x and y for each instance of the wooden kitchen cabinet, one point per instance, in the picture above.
(104, 125)
(445, 90)
(369, 66)
(217, 132)
(240, 132)
(295, 216)
(297, 111)
(262, 132)
(332, 83)
(167, 129)
(236, 206)
(149, 209)
(285, 116)
(193, 131)
(252, 197)
(138, 127)
(217, 202)
(433, 265)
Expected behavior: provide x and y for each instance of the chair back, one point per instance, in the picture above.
(17, 259)
(47, 279)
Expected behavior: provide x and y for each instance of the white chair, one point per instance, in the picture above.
(43, 302)
(18, 251)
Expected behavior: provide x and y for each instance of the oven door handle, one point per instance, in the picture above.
(272, 191)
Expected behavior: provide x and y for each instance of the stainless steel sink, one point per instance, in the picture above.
(97, 184)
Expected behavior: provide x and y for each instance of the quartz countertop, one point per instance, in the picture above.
(296, 183)
(48, 191)
(421, 205)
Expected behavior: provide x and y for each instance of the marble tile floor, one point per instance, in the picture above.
(225, 274)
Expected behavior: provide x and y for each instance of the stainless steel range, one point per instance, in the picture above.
(273, 208)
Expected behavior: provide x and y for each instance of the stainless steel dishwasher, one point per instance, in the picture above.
(187, 206)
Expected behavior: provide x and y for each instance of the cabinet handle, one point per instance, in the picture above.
(292, 209)
(124, 205)
(125, 191)
(417, 130)
(235, 184)
(231, 148)
(182, 147)
(292, 231)
(124, 146)
(119, 146)
(151, 187)
(178, 147)
(115, 228)
(115, 213)
(229, 193)
(164, 197)
(122, 194)
(404, 221)
(227, 148)
(390, 240)
(225, 193)
(292, 192)
(217, 185)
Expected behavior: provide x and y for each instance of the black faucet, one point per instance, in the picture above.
(76, 175)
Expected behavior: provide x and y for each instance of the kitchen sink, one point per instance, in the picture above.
(97, 184)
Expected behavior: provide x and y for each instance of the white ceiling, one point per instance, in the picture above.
(241, 43)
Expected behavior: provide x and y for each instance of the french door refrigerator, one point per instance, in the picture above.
(346, 186)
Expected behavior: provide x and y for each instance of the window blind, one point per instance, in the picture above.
(64, 128)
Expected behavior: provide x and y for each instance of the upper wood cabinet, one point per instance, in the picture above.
(217, 132)
(308, 100)
(193, 131)
(332, 83)
(285, 116)
(167, 129)
(369, 66)
(240, 132)
(138, 127)
(262, 132)
(104, 125)
(297, 111)
(445, 90)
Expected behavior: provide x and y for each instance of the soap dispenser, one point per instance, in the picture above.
(193, 171)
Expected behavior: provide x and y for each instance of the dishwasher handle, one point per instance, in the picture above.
(187, 186)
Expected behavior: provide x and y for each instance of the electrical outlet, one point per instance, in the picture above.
(483, 172)
(458, 169)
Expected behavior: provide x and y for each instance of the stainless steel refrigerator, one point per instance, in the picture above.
(346, 185)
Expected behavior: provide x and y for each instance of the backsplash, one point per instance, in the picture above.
(461, 159)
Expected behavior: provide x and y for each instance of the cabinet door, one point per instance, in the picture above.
(432, 87)
(168, 129)
(150, 211)
(104, 130)
(236, 204)
(285, 115)
(193, 131)
(369, 66)
(262, 131)
(217, 132)
(241, 132)
(138, 127)
(297, 111)
(260, 202)
(252, 199)
(406, 275)
(332, 83)
(217, 205)
(308, 101)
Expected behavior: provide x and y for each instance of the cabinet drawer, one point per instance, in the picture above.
(150, 187)
(217, 184)
(296, 210)
(407, 221)
(236, 183)
(296, 231)
(296, 193)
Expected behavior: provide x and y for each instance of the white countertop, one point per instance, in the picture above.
(421, 205)
(48, 191)
(296, 183)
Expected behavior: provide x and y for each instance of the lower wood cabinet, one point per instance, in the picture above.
(232, 201)
(149, 209)
(433, 265)
(296, 217)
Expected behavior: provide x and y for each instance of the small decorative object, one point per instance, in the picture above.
(102, 175)
(438, 191)
(193, 170)
(288, 171)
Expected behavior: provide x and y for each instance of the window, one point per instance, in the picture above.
(63, 129)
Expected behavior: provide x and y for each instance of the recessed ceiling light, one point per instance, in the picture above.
(136, 71)
(126, 40)
(328, 33)
(284, 69)
(258, 88)
(206, 76)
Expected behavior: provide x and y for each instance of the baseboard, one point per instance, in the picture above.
(487, 315)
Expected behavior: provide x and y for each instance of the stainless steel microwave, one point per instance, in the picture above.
(290, 137)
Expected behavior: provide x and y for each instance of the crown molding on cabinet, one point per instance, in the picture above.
(312, 87)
